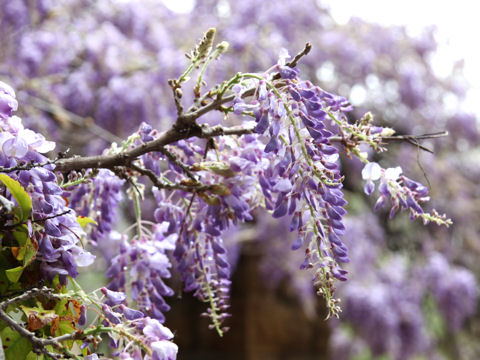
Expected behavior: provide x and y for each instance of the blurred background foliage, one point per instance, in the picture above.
(89, 72)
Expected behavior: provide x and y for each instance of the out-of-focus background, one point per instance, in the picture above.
(89, 72)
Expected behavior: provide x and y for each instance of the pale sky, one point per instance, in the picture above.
(457, 23)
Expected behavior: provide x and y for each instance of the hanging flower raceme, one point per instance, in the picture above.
(301, 176)
(141, 334)
(98, 199)
(52, 227)
(140, 268)
(402, 192)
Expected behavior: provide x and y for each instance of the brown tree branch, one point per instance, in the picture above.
(204, 131)
(38, 344)
(193, 188)
(126, 158)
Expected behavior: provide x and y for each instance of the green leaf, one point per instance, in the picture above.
(66, 327)
(21, 235)
(85, 220)
(30, 253)
(19, 193)
(15, 346)
(61, 307)
(27, 250)
(33, 356)
(14, 274)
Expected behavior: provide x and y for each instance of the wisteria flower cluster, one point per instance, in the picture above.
(403, 192)
(46, 229)
(282, 155)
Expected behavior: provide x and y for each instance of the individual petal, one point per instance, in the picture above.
(283, 56)
(164, 350)
(114, 297)
(283, 185)
(82, 257)
(272, 145)
(263, 123)
(8, 103)
(131, 314)
(393, 173)
(110, 315)
(297, 244)
(371, 171)
(82, 318)
(156, 330)
(15, 147)
(287, 72)
(369, 187)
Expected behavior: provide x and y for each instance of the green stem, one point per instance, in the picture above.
(231, 82)
(327, 294)
(214, 315)
(129, 141)
(205, 65)
(351, 131)
(138, 213)
(81, 293)
(185, 74)
(77, 182)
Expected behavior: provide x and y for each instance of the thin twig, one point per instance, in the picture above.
(173, 135)
(30, 294)
(411, 139)
(194, 188)
(173, 159)
(296, 59)
(421, 167)
(52, 216)
(27, 166)
(414, 139)
(301, 54)
(177, 95)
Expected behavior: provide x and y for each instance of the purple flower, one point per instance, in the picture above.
(164, 350)
(131, 314)
(82, 319)
(99, 200)
(8, 103)
(113, 297)
(112, 317)
(155, 330)
(287, 72)
(371, 172)
(146, 262)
